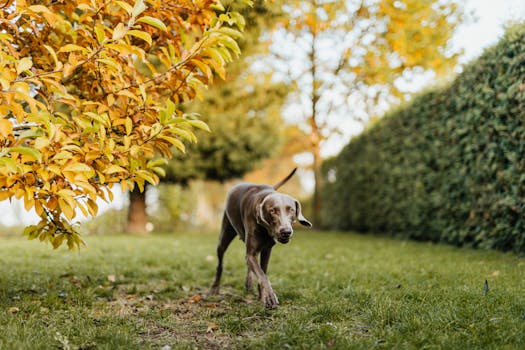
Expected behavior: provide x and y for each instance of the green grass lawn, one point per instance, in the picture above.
(337, 290)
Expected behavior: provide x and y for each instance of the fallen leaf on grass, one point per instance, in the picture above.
(330, 343)
(248, 300)
(212, 327)
(495, 273)
(111, 278)
(13, 310)
(194, 299)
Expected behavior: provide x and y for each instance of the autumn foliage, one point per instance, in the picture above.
(89, 96)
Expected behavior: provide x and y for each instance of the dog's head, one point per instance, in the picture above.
(278, 212)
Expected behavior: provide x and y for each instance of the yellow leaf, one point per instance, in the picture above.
(6, 127)
(127, 7)
(58, 64)
(100, 33)
(119, 32)
(141, 35)
(203, 67)
(110, 62)
(112, 169)
(66, 209)
(72, 47)
(148, 176)
(77, 167)
(174, 142)
(23, 65)
(120, 48)
(138, 8)
(83, 209)
(129, 126)
(129, 94)
(92, 207)
(39, 8)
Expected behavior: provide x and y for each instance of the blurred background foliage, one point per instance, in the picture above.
(443, 167)
(372, 46)
(244, 113)
(446, 167)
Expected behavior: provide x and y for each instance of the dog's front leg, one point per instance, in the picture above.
(249, 280)
(268, 297)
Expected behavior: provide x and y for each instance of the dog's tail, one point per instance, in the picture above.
(283, 181)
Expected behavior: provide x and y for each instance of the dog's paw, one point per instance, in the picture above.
(269, 299)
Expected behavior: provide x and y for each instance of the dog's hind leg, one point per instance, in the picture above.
(225, 238)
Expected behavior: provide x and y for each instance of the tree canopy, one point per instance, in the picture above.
(349, 58)
(243, 112)
(91, 93)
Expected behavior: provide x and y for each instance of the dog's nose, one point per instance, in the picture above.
(285, 232)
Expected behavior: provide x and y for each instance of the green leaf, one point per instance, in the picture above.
(28, 151)
(230, 44)
(31, 232)
(218, 6)
(154, 22)
(10, 164)
(230, 32)
(199, 124)
(30, 134)
(156, 162)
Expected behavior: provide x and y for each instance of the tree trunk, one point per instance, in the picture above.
(315, 135)
(317, 201)
(137, 217)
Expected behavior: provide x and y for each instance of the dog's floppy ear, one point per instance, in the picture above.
(260, 215)
(299, 215)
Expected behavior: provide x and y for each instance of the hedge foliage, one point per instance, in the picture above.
(448, 166)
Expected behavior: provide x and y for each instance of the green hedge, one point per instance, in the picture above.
(448, 166)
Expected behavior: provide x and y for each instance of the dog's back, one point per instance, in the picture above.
(240, 198)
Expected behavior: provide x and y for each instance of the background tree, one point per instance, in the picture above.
(89, 95)
(243, 112)
(351, 57)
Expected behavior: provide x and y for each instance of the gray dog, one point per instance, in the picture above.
(261, 217)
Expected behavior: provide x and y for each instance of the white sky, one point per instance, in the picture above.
(482, 31)
(491, 17)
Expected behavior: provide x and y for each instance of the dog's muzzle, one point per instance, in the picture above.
(284, 236)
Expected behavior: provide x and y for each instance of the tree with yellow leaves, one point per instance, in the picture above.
(90, 93)
(354, 53)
